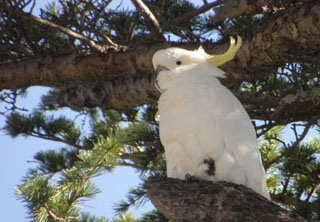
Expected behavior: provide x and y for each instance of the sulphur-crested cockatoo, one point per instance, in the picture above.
(204, 129)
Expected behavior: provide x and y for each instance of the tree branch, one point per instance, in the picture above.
(265, 101)
(61, 28)
(189, 15)
(148, 15)
(117, 93)
(220, 201)
(53, 214)
(43, 71)
(58, 71)
(283, 36)
(231, 8)
(288, 148)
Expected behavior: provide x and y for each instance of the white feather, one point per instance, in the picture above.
(201, 119)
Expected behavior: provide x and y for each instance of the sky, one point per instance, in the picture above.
(16, 154)
(15, 157)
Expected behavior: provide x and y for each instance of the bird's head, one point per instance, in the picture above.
(174, 62)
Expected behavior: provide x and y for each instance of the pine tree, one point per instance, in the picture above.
(97, 59)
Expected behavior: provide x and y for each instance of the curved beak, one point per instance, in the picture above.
(159, 68)
(218, 60)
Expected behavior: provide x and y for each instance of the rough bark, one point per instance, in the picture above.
(205, 201)
(231, 8)
(120, 92)
(58, 72)
(290, 35)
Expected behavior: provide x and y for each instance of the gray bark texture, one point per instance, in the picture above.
(205, 201)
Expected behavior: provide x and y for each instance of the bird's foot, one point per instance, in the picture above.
(190, 178)
(211, 168)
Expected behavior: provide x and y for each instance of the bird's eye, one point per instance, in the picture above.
(178, 62)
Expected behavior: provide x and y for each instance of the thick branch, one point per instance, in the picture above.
(206, 201)
(231, 8)
(116, 93)
(47, 72)
(277, 40)
(58, 71)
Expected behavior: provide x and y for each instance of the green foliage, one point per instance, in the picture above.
(86, 217)
(172, 9)
(269, 146)
(136, 196)
(293, 173)
(53, 161)
(38, 125)
(55, 192)
(116, 139)
(153, 216)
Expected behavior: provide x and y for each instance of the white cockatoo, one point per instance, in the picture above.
(206, 132)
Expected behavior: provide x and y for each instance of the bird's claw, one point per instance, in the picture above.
(190, 178)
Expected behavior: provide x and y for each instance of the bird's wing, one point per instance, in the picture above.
(240, 139)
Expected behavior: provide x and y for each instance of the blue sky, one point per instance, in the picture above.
(15, 155)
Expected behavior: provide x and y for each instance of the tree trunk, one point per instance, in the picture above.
(205, 201)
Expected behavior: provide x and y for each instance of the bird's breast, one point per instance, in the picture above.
(182, 109)
(184, 94)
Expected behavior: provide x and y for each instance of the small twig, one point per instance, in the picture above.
(280, 141)
(188, 35)
(163, 4)
(32, 6)
(124, 163)
(287, 150)
(205, 2)
(285, 185)
(266, 124)
(63, 29)
(303, 134)
(133, 27)
(53, 214)
(108, 39)
(53, 138)
(148, 15)
(294, 128)
(231, 8)
(10, 98)
(24, 3)
(189, 15)
(310, 193)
